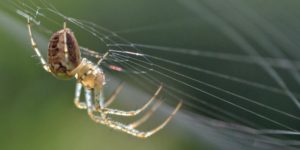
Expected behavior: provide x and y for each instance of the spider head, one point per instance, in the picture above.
(63, 54)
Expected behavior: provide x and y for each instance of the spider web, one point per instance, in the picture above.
(247, 90)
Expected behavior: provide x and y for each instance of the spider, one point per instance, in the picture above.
(65, 62)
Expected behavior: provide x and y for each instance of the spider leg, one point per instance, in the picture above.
(99, 99)
(103, 57)
(34, 46)
(114, 95)
(82, 105)
(78, 104)
(95, 54)
(91, 108)
(133, 112)
(146, 116)
(132, 131)
(153, 131)
(88, 100)
(119, 126)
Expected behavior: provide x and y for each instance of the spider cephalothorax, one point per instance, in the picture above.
(64, 62)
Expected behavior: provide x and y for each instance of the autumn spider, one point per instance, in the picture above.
(64, 62)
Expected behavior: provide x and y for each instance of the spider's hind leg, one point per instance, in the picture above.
(34, 46)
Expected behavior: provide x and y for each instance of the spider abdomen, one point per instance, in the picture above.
(63, 59)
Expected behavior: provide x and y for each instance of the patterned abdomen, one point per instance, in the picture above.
(61, 61)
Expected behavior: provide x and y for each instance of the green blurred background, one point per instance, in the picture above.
(37, 110)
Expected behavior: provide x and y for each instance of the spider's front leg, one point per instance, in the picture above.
(91, 107)
(34, 46)
(82, 105)
(78, 104)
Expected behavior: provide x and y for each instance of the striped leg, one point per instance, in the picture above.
(34, 46)
(133, 112)
(78, 104)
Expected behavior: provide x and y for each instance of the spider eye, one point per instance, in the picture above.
(62, 61)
